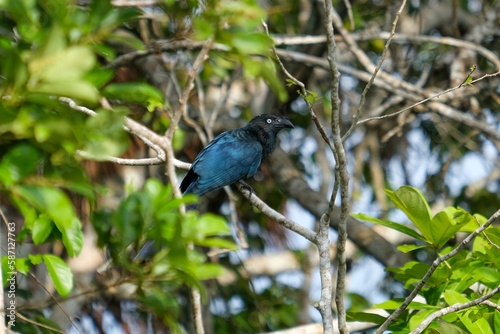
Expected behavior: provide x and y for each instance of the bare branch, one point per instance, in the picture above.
(397, 38)
(275, 215)
(342, 176)
(121, 161)
(149, 137)
(348, 7)
(55, 300)
(428, 99)
(431, 270)
(169, 135)
(304, 93)
(454, 308)
(377, 69)
(491, 304)
(408, 91)
(38, 323)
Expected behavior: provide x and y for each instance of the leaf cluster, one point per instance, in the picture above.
(460, 279)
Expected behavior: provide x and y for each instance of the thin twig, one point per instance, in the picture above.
(304, 93)
(454, 308)
(398, 38)
(121, 161)
(169, 135)
(431, 270)
(149, 137)
(408, 91)
(235, 222)
(38, 323)
(377, 69)
(491, 304)
(348, 7)
(57, 303)
(428, 99)
(485, 235)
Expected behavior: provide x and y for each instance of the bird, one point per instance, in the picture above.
(228, 158)
(233, 155)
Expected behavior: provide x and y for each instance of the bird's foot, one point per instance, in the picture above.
(247, 187)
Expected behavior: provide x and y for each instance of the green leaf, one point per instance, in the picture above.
(60, 273)
(409, 248)
(493, 234)
(472, 224)
(446, 328)
(496, 322)
(252, 43)
(468, 81)
(208, 271)
(411, 201)
(41, 319)
(18, 163)
(59, 208)
(395, 303)
(486, 275)
(23, 265)
(365, 317)
(41, 229)
(387, 223)
(417, 319)
(411, 272)
(481, 326)
(357, 302)
(35, 259)
(264, 69)
(202, 28)
(140, 93)
(205, 226)
(462, 274)
(446, 224)
(218, 242)
(10, 265)
(61, 72)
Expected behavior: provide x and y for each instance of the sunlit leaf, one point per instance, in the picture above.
(59, 208)
(411, 201)
(395, 226)
(60, 273)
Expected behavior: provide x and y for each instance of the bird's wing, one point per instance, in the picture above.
(227, 159)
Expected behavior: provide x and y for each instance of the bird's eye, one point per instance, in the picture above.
(269, 121)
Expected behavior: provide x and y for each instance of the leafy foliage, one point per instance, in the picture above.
(152, 214)
(460, 279)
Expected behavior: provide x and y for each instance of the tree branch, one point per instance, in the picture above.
(397, 38)
(431, 270)
(342, 175)
(408, 91)
(377, 69)
(275, 215)
(169, 135)
(454, 308)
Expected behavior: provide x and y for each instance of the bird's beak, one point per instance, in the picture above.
(285, 122)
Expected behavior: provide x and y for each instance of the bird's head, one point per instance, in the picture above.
(271, 123)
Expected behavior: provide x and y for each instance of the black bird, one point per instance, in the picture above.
(234, 155)
(231, 156)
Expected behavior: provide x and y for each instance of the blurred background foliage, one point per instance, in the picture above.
(86, 219)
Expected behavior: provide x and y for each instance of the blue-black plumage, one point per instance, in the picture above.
(231, 156)
(234, 155)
